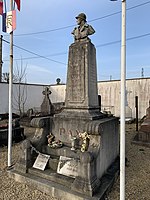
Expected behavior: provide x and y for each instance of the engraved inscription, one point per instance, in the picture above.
(76, 84)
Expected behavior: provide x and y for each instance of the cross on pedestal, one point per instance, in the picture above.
(46, 106)
(46, 92)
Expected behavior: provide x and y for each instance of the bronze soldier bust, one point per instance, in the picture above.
(83, 30)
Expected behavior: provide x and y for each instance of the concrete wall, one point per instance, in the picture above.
(30, 94)
(109, 91)
(110, 94)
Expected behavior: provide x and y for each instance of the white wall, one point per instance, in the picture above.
(32, 92)
(3, 98)
(110, 94)
(109, 91)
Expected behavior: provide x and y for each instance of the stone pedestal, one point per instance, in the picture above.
(81, 89)
(92, 166)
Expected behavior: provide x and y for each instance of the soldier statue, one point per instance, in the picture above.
(83, 30)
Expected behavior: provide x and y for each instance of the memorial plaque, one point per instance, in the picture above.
(68, 166)
(41, 161)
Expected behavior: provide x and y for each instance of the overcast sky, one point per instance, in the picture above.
(43, 36)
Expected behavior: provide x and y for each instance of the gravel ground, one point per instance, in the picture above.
(137, 173)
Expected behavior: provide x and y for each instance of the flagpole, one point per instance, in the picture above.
(123, 98)
(10, 95)
(1, 62)
(123, 94)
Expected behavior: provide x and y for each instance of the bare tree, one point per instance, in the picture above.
(21, 88)
(5, 77)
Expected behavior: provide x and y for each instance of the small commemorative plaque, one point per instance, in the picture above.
(41, 161)
(68, 166)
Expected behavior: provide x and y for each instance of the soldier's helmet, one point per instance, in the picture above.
(81, 16)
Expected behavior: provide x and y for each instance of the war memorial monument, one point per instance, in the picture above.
(73, 154)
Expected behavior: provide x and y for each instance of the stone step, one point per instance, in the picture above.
(52, 175)
(38, 180)
(51, 188)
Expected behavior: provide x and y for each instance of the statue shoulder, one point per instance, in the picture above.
(91, 30)
(74, 30)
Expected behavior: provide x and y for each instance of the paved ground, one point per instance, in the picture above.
(137, 174)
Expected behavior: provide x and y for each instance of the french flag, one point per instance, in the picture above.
(9, 21)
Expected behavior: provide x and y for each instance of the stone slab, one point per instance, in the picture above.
(62, 192)
(53, 176)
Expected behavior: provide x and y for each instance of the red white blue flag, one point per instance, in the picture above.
(9, 21)
(1, 7)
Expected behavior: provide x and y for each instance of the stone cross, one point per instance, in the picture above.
(46, 106)
(46, 92)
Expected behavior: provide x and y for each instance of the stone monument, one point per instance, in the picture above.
(83, 144)
(46, 106)
(143, 135)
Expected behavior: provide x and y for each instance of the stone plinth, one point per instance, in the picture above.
(93, 163)
(81, 89)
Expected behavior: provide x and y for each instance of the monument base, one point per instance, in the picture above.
(82, 113)
(91, 165)
(46, 183)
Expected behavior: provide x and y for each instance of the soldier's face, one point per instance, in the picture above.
(79, 20)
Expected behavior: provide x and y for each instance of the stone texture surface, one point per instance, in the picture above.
(81, 90)
(93, 163)
(81, 98)
(137, 173)
(46, 106)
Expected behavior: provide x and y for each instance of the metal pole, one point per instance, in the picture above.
(136, 107)
(10, 95)
(122, 113)
(1, 62)
(99, 102)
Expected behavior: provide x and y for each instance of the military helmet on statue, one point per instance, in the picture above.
(81, 16)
